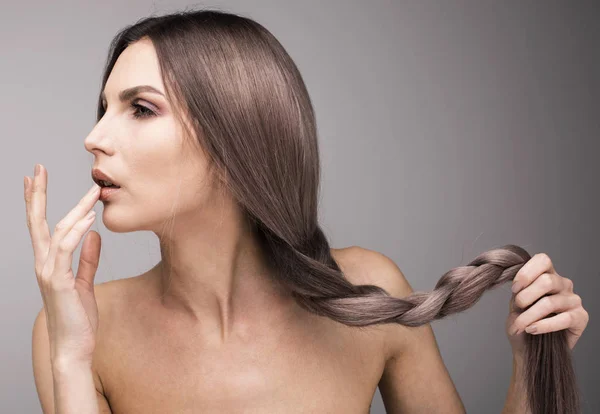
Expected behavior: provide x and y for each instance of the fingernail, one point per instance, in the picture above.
(531, 329)
(90, 215)
(516, 287)
(37, 169)
(25, 183)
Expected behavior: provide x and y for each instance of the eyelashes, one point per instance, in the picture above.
(140, 111)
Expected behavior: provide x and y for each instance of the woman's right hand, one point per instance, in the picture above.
(69, 302)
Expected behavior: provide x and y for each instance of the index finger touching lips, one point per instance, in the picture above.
(36, 212)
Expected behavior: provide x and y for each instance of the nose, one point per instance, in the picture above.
(97, 140)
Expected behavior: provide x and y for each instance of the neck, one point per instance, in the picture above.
(219, 279)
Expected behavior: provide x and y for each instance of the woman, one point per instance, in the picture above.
(206, 136)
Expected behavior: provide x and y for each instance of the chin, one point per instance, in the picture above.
(119, 222)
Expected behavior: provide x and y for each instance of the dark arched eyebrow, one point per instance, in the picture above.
(127, 94)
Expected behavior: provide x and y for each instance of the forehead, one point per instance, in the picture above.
(136, 65)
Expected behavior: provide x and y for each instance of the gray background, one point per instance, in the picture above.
(446, 129)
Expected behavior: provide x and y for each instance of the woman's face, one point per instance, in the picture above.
(139, 144)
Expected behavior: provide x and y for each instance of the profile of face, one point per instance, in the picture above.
(139, 144)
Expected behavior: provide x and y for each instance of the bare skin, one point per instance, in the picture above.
(215, 334)
(207, 329)
(151, 360)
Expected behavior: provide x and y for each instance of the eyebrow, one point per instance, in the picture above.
(129, 93)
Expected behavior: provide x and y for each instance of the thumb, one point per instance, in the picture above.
(89, 259)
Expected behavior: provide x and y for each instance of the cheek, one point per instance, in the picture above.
(154, 149)
(150, 203)
(187, 196)
(176, 192)
(193, 182)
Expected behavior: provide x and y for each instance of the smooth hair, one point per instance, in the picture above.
(243, 102)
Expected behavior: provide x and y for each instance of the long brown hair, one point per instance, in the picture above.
(242, 97)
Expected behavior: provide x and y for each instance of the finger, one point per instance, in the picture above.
(66, 247)
(512, 307)
(89, 259)
(546, 283)
(538, 264)
(544, 307)
(64, 226)
(568, 284)
(35, 202)
(555, 323)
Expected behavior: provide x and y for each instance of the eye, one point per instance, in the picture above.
(141, 111)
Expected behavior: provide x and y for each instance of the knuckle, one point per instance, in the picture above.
(81, 223)
(520, 301)
(55, 286)
(64, 246)
(32, 220)
(525, 276)
(517, 324)
(570, 318)
(569, 284)
(546, 303)
(37, 188)
(577, 299)
(546, 280)
(59, 226)
(47, 286)
(544, 258)
(45, 275)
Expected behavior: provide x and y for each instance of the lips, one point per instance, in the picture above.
(99, 175)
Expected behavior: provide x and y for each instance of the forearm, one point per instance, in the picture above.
(516, 398)
(74, 389)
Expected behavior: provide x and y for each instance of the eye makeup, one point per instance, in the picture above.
(140, 111)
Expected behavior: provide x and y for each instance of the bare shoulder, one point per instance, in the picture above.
(111, 293)
(114, 299)
(120, 295)
(415, 378)
(363, 266)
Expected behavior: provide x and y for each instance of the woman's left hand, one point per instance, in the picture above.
(538, 279)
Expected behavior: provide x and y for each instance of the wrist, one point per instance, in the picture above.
(65, 364)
